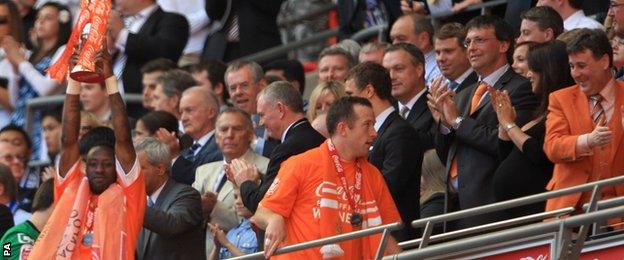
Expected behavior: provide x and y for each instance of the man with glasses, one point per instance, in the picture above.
(616, 10)
(468, 133)
(27, 180)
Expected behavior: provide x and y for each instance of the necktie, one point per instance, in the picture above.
(476, 99)
(453, 85)
(597, 112)
(404, 112)
(120, 62)
(190, 154)
(150, 202)
(221, 183)
(232, 29)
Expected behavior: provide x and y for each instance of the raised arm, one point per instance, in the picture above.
(70, 153)
(124, 149)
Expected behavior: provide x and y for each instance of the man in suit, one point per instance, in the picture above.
(172, 225)
(395, 151)
(584, 124)
(452, 57)
(240, 28)
(244, 80)
(417, 30)
(406, 65)
(198, 113)
(141, 32)
(234, 134)
(280, 108)
(468, 136)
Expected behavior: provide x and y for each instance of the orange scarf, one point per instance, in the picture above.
(62, 236)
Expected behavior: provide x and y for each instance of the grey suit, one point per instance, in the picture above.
(224, 212)
(172, 228)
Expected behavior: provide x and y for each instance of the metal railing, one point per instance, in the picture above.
(335, 239)
(319, 11)
(562, 226)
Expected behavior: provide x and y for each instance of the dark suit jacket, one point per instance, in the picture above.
(475, 144)
(351, 15)
(299, 138)
(183, 170)
(419, 117)
(256, 24)
(468, 82)
(397, 154)
(163, 35)
(173, 227)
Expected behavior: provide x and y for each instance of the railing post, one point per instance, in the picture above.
(382, 244)
(426, 235)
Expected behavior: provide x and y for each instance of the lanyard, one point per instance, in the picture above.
(355, 197)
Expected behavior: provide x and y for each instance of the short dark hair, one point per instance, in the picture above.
(8, 181)
(20, 130)
(216, 74)
(175, 81)
(545, 17)
(97, 136)
(342, 111)
(160, 119)
(44, 197)
(293, 71)
(452, 30)
(576, 4)
(416, 56)
(53, 112)
(502, 30)
(373, 74)
(159, 64)
(594, 40)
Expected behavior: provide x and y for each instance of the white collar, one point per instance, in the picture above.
(412, 101)
(292, 125)
(494, 76)
(147, 11)
(379, 119)
(204, 139)
(156, 193)
(463, 77)
(570, 22)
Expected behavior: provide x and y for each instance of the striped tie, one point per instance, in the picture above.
(232, 30)
(598, 113)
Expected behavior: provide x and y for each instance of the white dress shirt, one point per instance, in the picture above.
(195, 13)
(579, 20)
(379, 119)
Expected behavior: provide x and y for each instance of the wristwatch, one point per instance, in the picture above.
(457, 122)
(509, 126)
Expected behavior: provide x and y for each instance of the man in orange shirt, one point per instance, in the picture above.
(97, 215)
(584, 123)
(307, 199)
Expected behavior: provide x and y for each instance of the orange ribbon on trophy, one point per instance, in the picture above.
(94, 17)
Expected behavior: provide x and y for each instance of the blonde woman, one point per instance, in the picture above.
(323, 95)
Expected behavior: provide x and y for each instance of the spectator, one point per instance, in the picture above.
(195, 14)
(11, 27)
(323, 96)
(149, 124)
(520, 64)
(51, 124)
(354, 16)
(94, 100)
(240, 240)
(394, 152)
(27, 180)
(210, 74)
(199, 109)
(417, 30)
(617, 12)
(244, 80)
(571, 11)
(617, 44)
(540, 24)
(8, 194)
(372, 51)
(168, 91)
(292, 211)
(334, 63)
(406, 64)
(145, 33)
(289, 70)
(88, 121)
(23, 236)
(584, 126)
(172, 225)
(52, 30)
(525, 170)
(113, 192)
(235, 28)
(467, 139)
(281, 111)
(149, 73)
(234, 134)
(28, 15)
(452, 57)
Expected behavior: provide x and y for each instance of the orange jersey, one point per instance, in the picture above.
(296, 194)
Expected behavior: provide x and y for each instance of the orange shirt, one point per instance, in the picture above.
(296, 195)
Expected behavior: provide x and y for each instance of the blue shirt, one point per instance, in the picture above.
(243, 237)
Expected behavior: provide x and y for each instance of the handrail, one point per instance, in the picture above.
(370, 31)
(327, 240)
(481, 7)
(286, 22)
(46, 101)
(490, 226)
(608, 203)
(516, 202)
(510, 234)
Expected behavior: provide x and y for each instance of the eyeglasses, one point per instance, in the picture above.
(615, 5)
(617, 40)
(476, 40)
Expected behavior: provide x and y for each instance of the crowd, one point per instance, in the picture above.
(224, 157)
